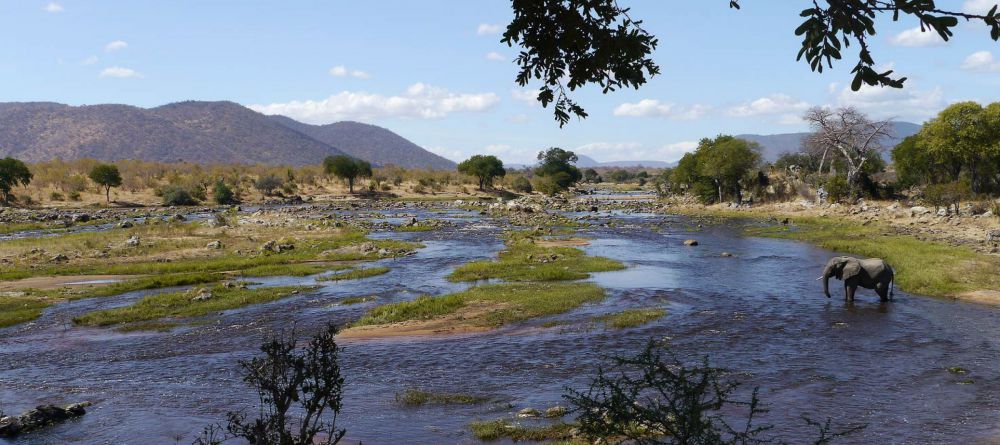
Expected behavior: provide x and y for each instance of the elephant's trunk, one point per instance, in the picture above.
(826, 280)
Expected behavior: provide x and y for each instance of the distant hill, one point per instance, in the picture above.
(193, 131)
(588, 162)
(371, 143)
(773, 145)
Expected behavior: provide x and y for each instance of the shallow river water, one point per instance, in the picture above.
(760, 313)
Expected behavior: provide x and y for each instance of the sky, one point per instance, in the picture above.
(435, 71)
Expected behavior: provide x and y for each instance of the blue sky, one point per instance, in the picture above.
(435, 72)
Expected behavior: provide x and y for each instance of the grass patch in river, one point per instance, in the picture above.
(490, 430)
(631, 318)
(524, 260)
(508, 303)
(15, 310)
(416, 397)
(356, 300)
(356, 274)
(922, 267)
(292, 270)
(182, 305)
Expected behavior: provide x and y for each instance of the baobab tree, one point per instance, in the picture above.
(848, 133)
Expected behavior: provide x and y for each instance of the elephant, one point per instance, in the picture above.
(871, 273)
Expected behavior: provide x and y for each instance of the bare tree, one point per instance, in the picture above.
(848, 133)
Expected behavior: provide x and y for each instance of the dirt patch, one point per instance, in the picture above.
(44, 283)
(462, 321)
(563, 242)
(991, 297)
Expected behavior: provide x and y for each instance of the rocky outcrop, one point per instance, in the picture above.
(40, 417)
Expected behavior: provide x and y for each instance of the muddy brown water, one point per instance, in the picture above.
(760, 313)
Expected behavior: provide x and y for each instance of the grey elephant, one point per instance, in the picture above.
(871, 273)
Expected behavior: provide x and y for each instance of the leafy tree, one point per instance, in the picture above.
(965, 134)
(13, 172)
(107, 176)
(557, 167)
(346, 167)
(521, 184)
(268, 184)
(300, 392)
(223, 194)
(803, 161)
(568, 44)
(620, 175)
(591, 175)
(728, 161)
(483, 167)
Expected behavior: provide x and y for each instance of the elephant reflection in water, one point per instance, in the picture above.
(871, 273)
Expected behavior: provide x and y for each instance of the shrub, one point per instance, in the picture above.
(74, 195)
(56, 196)
(521, 184)
(948, 194)
(268, 184)
(837, 188)
(223, 194)
(547, 185)
(177, 196)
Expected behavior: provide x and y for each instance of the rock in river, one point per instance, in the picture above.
(40, 417)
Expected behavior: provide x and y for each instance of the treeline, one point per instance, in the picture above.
(955, 157)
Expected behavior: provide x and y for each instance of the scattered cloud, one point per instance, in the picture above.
(915, 37)
(655, 108)
(493, 55)
(420, 101)
(981, 61)
(116, 45)
(342, 71)
(485, 29)
(770, 105)
(450, 153)
(634, 151)
(90, 60)
(907, 103)
(529, 97)
(117, 71)
(54, 8)
(978, 6)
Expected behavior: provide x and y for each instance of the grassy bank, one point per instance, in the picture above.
(524, 260)
(923, 267)
(15, 310)
(504, 429)
(184, 305)
(417, 397)
(507, 303)
(630, 318)
(357, 274)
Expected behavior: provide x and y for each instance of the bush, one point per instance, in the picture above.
(948, 194)
(223, 194)
(74, 195)
(521, 184)
(548, 185)
(177, 196)
(56, 196)
(837, 189)
(268, 184)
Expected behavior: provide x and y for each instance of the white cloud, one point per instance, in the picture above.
(634, 151)
(450, 153)
(493, 55)
(421, 101)
(90, 60)
(487, 29)
(116, 45)
(770, 105)
(53, 7)
(117, 71)
(343, 71)
(655, 108)
(917, 37)
(978, 6)
(906, 103)
(981, 61)
(529, 97)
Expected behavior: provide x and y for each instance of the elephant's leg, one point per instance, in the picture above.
(851, 289)
(883, 291)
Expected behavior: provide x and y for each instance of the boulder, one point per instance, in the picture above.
(528, 412)
(81, 217)
(125, 224)
(726, 255)
(918, 211)
(202, 295)
(690, 242)
(993, 235)
(58, 258)
(555, 412)
(214, 245)
(132, 241)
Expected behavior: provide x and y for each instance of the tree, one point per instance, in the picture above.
(591, 175)
(568, 44)
(965, 135)
(223, 194)
(346, 167)
(557, 168)
(728, 161)
(483, 167)
(13, 173)
(268, 184)
(175, 195)
(850, 134)
(619, 176)
(300, 392)
(107, 176)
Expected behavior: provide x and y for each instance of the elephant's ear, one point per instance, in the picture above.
(851, 269)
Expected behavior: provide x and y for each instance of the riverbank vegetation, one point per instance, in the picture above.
(417, 397)
(631, 318)
(18, 309)
(356, 274)
(524, 259)
(186, 304)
